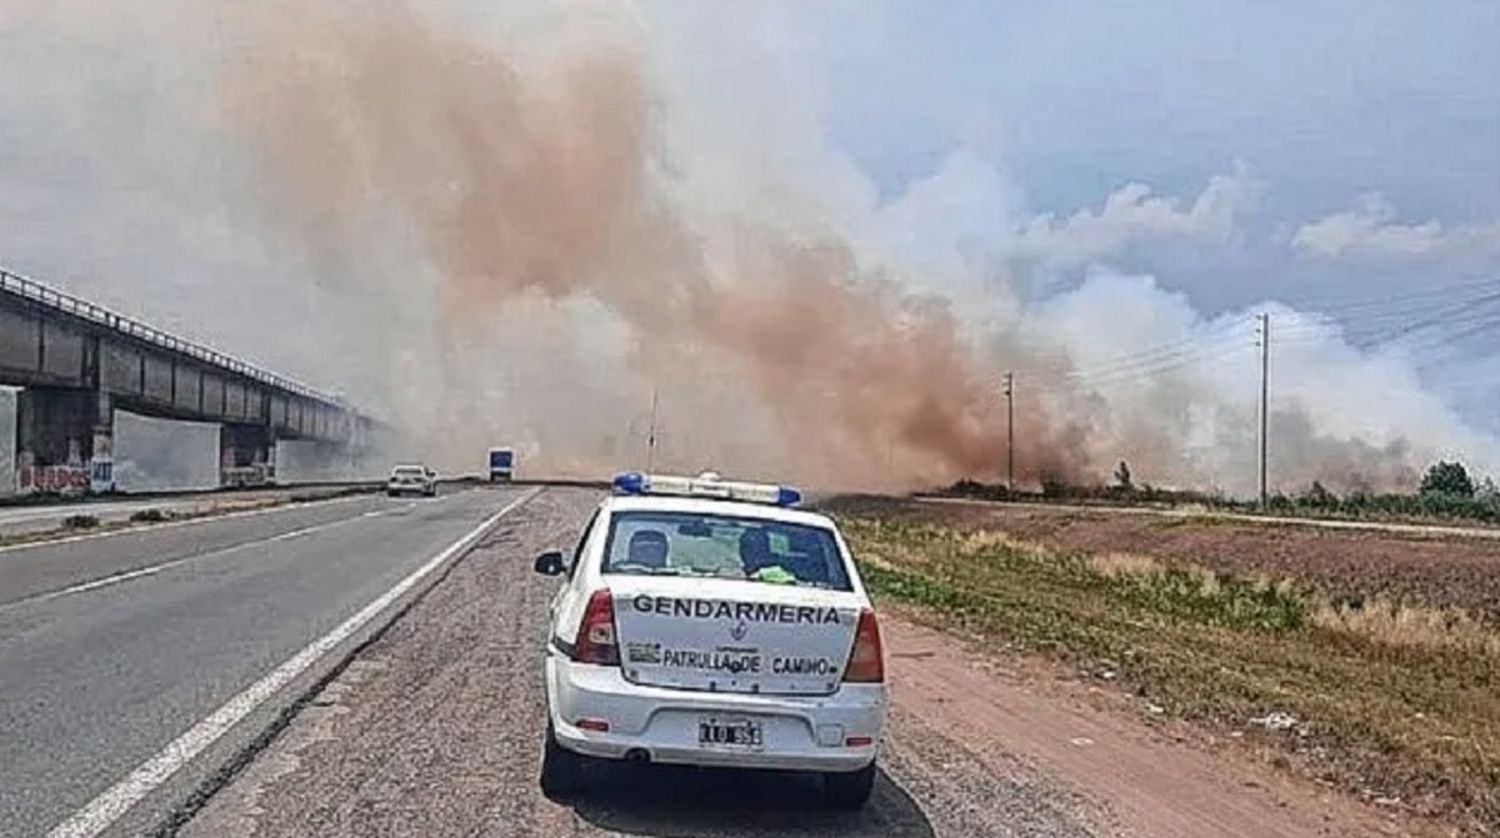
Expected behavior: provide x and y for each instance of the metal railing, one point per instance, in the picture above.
(83, 309)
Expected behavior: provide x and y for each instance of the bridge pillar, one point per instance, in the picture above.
(247, 454)
(64, 440)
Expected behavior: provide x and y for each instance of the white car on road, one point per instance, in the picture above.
(416, 479)
(705, 622)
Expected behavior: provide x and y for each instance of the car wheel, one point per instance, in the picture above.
(562, 770)
(848, 790)
(391, 493)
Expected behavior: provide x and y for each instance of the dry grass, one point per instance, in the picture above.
(1391, 699)
(1409, 626)
(1121, 564)
(978, 541)
(1378, 619)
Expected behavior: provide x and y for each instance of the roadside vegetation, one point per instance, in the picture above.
(81, 522)
(1397, 702)
(1446, 494)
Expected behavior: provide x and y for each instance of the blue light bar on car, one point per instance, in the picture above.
(706, 485)
(630, 483)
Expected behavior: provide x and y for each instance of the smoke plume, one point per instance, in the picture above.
(541, 179)
(490, 225)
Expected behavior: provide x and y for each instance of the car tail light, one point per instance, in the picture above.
(596, 641)
(866, 660)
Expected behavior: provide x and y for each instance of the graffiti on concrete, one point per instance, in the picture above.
(54, 480)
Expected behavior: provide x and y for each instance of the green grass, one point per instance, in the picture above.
(1417, 720)
(1422, 508)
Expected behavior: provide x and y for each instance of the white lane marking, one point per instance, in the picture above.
(108, 580)
(152, 569)
(204, 519)
(287, 536)
(107, 808)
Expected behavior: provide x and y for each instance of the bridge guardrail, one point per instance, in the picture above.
(37, 292)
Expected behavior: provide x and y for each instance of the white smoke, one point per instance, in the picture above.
(125, 185)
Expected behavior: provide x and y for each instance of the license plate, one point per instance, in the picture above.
(730, 733)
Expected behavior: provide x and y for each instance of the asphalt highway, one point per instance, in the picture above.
(114, 646)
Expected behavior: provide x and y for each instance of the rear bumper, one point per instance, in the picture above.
(803, 733)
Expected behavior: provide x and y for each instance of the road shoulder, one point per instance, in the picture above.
(1147, 776)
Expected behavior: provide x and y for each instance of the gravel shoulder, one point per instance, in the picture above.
(435, 729)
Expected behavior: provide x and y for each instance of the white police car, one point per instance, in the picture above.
(706, 622)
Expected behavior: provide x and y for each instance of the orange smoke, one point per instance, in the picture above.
(541, 178)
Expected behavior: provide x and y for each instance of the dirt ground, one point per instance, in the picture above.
(1429, 570)
(435, 729)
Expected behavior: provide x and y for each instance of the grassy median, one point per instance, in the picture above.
(1398, 704)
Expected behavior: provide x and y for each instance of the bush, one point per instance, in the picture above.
(80, 522)
(1445, 478)
(1317, 495)
(149, 516)
(1317, 500)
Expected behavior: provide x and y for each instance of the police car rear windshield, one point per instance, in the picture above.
(724, 547)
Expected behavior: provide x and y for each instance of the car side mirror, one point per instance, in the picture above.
(550, 563)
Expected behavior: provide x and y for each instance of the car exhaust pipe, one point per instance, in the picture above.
(638, 756)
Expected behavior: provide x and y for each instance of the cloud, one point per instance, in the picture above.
(1371, 230)
(1133, 214)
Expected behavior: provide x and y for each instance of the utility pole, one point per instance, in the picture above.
(651, 436)
(1010, 432)
(1265, 393)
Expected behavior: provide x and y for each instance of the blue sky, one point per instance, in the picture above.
(1323, 103)
(1370, 132)
(1324, 99)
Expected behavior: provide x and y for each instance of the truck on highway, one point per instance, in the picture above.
(502, 464)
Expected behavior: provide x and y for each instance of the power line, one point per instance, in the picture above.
(1383, 321)
(1452, 339)
(1186, 345)
(1401, 311)
(1363, 321)
(1395, 326)
(1354, 302)
(1182, 360)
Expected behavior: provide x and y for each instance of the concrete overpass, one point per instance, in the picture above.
(78, 362)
